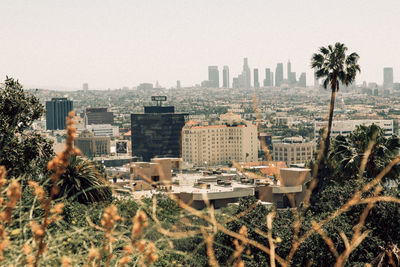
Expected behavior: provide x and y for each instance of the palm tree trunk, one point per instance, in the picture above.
(328, 132)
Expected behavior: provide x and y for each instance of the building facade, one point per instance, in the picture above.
(256, 80)
(157, 132)
(213, 77)
(268, 78)
(346, 127)
(387, 78)
(234, 140)
(91, 145)
(225, 77)
(279, 75)
(56, 113)
(303, 80)
(99, 116)
(293, 151)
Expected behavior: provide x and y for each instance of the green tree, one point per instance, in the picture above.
(83, 182)
(23, 151)
(332, 65)
(347, 153)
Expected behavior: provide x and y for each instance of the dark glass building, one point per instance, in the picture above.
(56, 113)
(99, 116)
(157, 132)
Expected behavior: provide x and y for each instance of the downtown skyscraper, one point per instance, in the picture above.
(268, 78)
(213, 76)
(279, 74)
(387, 78)
(244, 79)
(225, 77)
(256, 80)
(246, 74)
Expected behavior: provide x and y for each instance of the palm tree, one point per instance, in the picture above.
(347, 153)
(332, 65)
(83, 182)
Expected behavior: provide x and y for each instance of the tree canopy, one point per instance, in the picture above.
(23, 151)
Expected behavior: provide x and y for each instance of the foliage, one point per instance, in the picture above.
(23, 151)
(348, 152)
(332, 64)
(83, 182)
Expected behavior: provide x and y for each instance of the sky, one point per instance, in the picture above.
(60, 45)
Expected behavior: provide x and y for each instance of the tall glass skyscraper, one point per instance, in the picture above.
(213, 76)
(225, 77)
(267, 80)
(246, 74)
(56, 113)
(157, 132)
(256, 80)
(387, 78)
(279, 74)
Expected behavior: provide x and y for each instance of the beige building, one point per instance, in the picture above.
(288, 191)
(91, 145)
(233, 140)
(293, 151)
(159, 170)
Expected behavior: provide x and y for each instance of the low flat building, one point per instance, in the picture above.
(346, 127)
(158, 171)
(289, 187)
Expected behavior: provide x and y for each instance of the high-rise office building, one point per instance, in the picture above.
(246, 74)
(387, 78)
(279, 74)
(256, 80)
(85, 87)
(157, 132)
(178, 84)
(316, 81)
(225, 77)
(292, 78)
(213, 76)
(56, 113)
(267, 80)
(235, 83)
(303, 80)
(272, 79)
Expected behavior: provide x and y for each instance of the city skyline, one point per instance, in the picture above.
(110, 45)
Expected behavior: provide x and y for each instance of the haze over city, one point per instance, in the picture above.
(110, 44)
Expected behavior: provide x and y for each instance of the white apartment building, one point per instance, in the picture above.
(234, 140)
(293, 151)
(346, 127)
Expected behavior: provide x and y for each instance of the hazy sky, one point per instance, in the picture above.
(113, 43)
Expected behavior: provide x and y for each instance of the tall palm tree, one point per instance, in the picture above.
(332, 65)
(83, 182)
